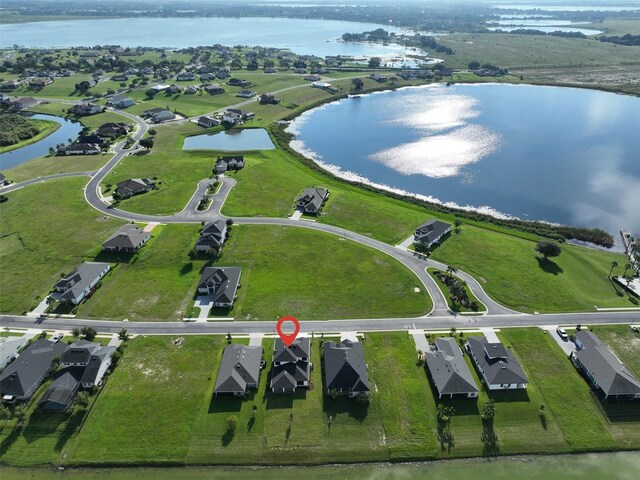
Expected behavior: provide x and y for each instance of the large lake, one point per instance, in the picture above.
(558, 154)
(304, 37)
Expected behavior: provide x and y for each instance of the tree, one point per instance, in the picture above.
(358, 84)
(123, 335)
(89, 333)
(457, 224)
(489, 411)
(374, 62)
(229, 222)
(147, 143)
(451, 269)
(445, 413)
(474, 65)
(627, 266)
(548, 249)
(82, 401)
(20, 413)
(153, 131)
(614, 264)
(75, 332)
(232, 423)
(150, 93)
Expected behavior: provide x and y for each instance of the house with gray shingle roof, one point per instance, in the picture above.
(128, 238)
(74, 287)
(312, 199)
(9, 347)
(20, 380)
(239, 370)
(497, 365)
(133, 186)
(291, 365)
(431, 232)
(345, 369)
(229, 162)
(62, 391)
(449, 370)
(212, 237)
(222, 283)
(602, 368)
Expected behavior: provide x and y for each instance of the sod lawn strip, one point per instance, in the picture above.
(72, 229)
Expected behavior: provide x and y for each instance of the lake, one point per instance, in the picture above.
(585, 31)
(613, 466)
(541, 25)
(67, 130)
(304, 37)
(558, 154)
(239, 140)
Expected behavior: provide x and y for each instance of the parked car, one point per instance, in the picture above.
(57, 338)
(562, 333)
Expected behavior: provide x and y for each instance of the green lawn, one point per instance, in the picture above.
(455, 306)
(66, 230)
(91, 121)
(62, 87)
(50, 165)
(45, 128)
(511, 272)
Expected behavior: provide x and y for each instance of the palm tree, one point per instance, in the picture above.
(614, 264)
(626, 267)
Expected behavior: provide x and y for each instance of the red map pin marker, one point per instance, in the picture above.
(288, 338)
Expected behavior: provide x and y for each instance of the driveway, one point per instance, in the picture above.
(567, 346)
(297, 214)
(420, 339)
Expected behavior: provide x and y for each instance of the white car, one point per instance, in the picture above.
(57, 338)
(562, 333)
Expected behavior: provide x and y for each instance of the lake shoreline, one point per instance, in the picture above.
(50, 127)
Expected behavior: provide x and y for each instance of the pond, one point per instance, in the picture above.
(613, 466)
(67, 130)
(234, 139)
(304, 37)
(558, 154)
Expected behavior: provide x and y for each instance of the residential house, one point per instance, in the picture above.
(191, 90)
(232, 118)
(9, 347)
(321, 85)
(213, 89)
(378, 78)
(602, 368)
(11, 84)
(120, 78)
(212, 237)
(312, 199)
(186, 77)
(129, 238)
(246, 94)
(95, 359)
(239, 370)
(62, 391)
(269, 70)
(345, 369)
(120, 101)
(267, 98)
(152, 111)
(112, 130)
(95, 139)
(291, 365)
(208, 122)
(312, 78)
(23, 103)
(244, 115)
(163, 116)
(81, 149)
(301, 71)
(221, 283)
(174, 89)
(449, 370)
(89, 54)
(431, 232)
(236, 82)
(40, 82)
(74, 287)
(160, 88)
(86, 109)
(133, 186)
(207, 76)
(20, 380)
(230, 162)
(497, 365)
(223, 73)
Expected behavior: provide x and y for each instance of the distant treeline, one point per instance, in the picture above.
(528, 31)
(626, 39)
(15, 128)
(424, 42)
(559, 233)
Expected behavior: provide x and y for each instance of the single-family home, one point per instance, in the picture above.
(186, 77)
(239, 370)
(232, 118)
(208, 122)
(300, 70)
(81, 149)
(152, 111)
(94, 359)
(129, 238)
(246, 94)
(20, 380)
(321, 85)
(62, 391)
(160, 88)
(133, 186)
(312, 78)
(121, 77)
(9, 347)
(267, 99)
(269, 70)
(312, 199)
(431, 232)
(496, 364)
(378, 78)
(174, 89)
(73, 288)
(229, 162)
(212, 236)
(23, 103)
(223, 73)
(11, 84)
(40, 82)
(449, 370)
(191, 89)
(236, 82)
(291, 365)
(602, 368)
(213, 89)
(163, 116)
(221, 283)
(95, 139)
(120, 101)
(345, 369)
(86, 109)
(207, 76)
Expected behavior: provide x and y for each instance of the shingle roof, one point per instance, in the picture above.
(345, 367)
(33, 362)
(609, 372)
(97, 359)
(287, 375)
(62, 389)
(72, 286)
(449, 370)
(240, 365)
(79, 352)
(498, 370)
(133, 184)
(430, 230)
(223, 280)
(300, 348)
(127, 236)
(313, 198)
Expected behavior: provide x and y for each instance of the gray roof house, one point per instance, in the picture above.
(291, 365)
(212, 236)
(74, 287)
(231, 162)
(449, 370)
(345, 369)
(62, 391)
(80, 149)
(497, 365)
(128, 238)
(120, 101)
(9, 347)
(21, 379)
(133, 186)
(222, 283)
(602, 368)
(431, 232)
(163, 116)
(208, 122)
(312, 199)
(239, 370)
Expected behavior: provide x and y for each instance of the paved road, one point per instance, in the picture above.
(16, 186)
(322, 326)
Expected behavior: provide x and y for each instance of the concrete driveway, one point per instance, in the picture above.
(567, 346)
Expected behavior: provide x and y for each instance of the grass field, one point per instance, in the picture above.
(91, 121)
(60, 209)
(46, 128)
(455, 306)
(43, 166)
